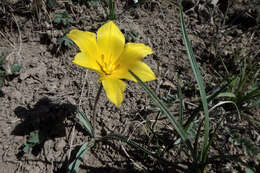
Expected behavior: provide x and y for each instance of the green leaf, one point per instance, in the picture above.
(214, 134)
(63, 17)
(134, 32)
(65, 40)
(227, 94)
(198, 78)
(181, 102)
(57, 19)
(85, 122)
(26, 148)
(64, 22)
(32, 140)
(74, 166)
(258, 156)
(16, 68)
(52, 3)
(195, 153)
(111, 6)
(34, 137)
(248, 170)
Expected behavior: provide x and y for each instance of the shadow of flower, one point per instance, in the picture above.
(42, 122)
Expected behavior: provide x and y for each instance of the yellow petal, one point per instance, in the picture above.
(85, 40)
(142, 70)
(134, 52)
(114, 89)
(111, 41)
(84, 60)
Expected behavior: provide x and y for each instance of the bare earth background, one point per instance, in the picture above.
(44, 95)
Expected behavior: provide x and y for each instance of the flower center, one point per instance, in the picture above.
(107, 67)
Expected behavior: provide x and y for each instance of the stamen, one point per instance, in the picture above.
(102, 58)
(106, 66)
(117, 67)
(101, 67)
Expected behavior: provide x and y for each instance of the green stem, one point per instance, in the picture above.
(111, 9)
(94, 108)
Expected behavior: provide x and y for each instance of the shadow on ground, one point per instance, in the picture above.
(42, 122)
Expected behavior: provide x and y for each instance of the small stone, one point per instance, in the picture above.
(60, 145)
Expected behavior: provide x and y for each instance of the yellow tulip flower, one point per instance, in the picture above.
(112, 58)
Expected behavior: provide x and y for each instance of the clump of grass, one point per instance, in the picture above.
(244, 88)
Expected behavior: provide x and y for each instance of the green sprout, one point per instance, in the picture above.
(64, 41)
(63, 17)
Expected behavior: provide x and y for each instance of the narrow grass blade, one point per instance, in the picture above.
(213, 136)
(243, 77)
(198, 78)
(111, 6)
(165, 110)
(227, 94)
(74, 166)
(181, 102)
(196, 142)
(85, 123)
